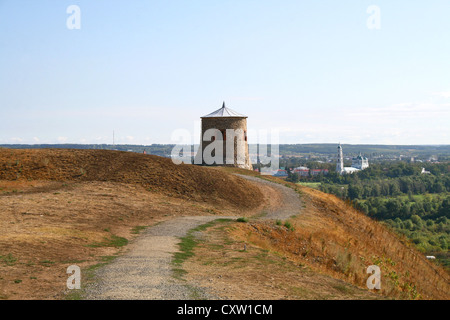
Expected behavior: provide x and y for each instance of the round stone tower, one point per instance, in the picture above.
(224, 140)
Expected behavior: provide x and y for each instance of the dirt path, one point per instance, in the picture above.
(289, 202)
(144, 272)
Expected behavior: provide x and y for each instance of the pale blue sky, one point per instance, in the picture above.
(311, 69)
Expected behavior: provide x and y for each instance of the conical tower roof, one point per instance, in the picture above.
(224, 112)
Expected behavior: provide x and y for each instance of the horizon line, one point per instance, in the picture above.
(167, 144)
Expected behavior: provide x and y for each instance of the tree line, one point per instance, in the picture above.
(414, 204)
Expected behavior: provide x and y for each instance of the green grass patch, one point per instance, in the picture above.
(314, 185)
(9, 259)
(46, 263)
(289, 225)
(187, 245)
(104, 260)
(112, 241)
(138, 229)
(242, 219)
(75, 294)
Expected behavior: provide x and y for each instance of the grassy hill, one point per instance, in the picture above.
(61, 207)
(344, 241)
(152, 172)
(332, 237)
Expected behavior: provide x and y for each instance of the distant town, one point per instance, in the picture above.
(305, 160)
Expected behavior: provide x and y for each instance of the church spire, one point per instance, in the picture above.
(340, 160)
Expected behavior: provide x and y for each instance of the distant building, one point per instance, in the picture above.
(359, 163)
(280, 173)
(315, 172)
(301, 171)
(305, 172)
(425, 171)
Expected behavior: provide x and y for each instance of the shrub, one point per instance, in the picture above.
(289, 225)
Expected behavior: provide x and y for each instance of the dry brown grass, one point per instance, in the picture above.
(44, 232)
(154, 173)
(333, 238)
(53, 214)
(223, 268)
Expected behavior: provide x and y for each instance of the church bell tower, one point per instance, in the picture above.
(340, 160)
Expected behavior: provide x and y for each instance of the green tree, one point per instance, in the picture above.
(393, 207)
(394, 189)
(444, 208)
(439, 187)
(443, 243)
(417, 221)
(408, 225)
(354, 191)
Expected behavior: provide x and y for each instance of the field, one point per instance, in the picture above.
(314, 185)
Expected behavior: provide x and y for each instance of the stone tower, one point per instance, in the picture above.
(340, 160)
(224, 140)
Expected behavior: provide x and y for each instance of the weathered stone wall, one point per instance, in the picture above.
(240, 145)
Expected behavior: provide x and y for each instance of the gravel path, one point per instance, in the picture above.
(291, 203)
(144, 271)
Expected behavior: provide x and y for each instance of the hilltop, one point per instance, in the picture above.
(154, 173)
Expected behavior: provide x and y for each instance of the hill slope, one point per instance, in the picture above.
(331, 237)
(152, 172)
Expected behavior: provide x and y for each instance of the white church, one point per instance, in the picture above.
(359, 163)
